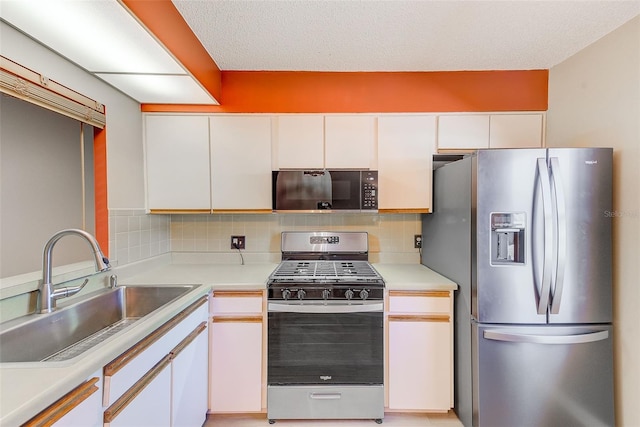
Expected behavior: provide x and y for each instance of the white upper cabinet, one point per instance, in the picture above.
(405, 155)
(516, 131)
(316, 141)
(463, 132)
(299, 142)
(350, 142)
(177, 162)
(241, 162)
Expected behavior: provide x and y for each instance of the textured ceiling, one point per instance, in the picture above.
(399, 35)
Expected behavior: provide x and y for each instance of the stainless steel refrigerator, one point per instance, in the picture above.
(526, 235)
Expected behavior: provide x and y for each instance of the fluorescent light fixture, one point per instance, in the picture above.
(159, 89)
(101, 36)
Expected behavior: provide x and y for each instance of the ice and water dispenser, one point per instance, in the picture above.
(507, 238)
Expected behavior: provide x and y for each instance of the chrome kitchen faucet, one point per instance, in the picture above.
(48, 296)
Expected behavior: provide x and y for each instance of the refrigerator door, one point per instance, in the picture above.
(581, 284)
(513, 212)
(543, 376)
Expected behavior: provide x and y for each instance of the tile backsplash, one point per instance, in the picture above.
(390, 235)
(135, 235)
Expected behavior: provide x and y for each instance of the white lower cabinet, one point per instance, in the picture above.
(80, 407)
(237, 362)
(420, 351)
(162, 380)
(147, 403)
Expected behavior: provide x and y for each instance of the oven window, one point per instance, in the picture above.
(317, 348)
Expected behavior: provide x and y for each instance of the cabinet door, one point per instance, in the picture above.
(405, 155)
(299, 142)
(350, 142)
(190, 382)
(80, 407)
(236, 364)
(515, 131)
(146, 403)
(463, 132)
(241, 162)
(420, 363)
(177, 162)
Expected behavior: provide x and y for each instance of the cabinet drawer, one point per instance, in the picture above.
(236, 302)
(420, 302)
(121, 373)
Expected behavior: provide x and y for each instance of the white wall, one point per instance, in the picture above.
(594, 100)
(124, 119)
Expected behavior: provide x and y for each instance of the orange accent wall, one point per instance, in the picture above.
(100, 183)
(375, 92)
(163, 20)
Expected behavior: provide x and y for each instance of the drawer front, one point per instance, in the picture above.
(420, 302)
(116, 383)
(237, 302)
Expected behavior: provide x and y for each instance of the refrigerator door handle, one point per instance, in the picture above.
(501, 335)
(545, 288)
(561, 235)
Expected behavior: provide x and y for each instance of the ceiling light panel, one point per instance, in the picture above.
(159, 89)
(99, 35)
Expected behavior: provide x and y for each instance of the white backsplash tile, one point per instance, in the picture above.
(135, 235)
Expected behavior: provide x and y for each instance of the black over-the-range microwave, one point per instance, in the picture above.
(325, 190)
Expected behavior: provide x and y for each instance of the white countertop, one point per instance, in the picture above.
(26, 389)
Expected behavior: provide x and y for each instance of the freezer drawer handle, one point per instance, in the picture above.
(325, 396)
(497, 335)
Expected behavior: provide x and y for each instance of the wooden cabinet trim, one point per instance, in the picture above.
(119, 405)
(237, 294)
(64, 405)
(188, 340)
(237, 319)
(122, 360)
(430, 294)
(241, 211)
(179, 211)
(419, 318)
(406, 211)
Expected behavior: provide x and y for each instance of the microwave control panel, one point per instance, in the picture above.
(369, 182)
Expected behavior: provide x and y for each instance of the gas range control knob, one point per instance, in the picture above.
(286, 294)
(348, 294)
(326, 293)
(364, 294)
(301, 294)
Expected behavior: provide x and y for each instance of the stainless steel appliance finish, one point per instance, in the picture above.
(524, 234)
(325, 329)
(325, 190)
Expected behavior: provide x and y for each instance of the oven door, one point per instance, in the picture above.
(325, 343)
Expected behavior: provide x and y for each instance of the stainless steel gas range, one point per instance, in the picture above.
(325, 329)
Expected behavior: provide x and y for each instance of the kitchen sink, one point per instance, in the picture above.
(73, 329)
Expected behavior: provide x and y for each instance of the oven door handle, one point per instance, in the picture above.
(359, 307)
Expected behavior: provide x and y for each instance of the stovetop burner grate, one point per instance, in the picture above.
(327, 270)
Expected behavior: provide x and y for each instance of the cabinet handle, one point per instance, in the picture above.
(64, 405)
(418, 318)
(237, 319)
(119, 405)
(237, 294)
(188, 340)
(122, 360)
(436, 294)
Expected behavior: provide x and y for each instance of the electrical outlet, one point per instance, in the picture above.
(237, 242)
(417, 241)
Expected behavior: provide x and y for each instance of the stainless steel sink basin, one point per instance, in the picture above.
(73, 329)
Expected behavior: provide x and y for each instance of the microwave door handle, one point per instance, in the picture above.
(561, 236)
(545, 288)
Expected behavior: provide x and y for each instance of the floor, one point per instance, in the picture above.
(390, 420)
